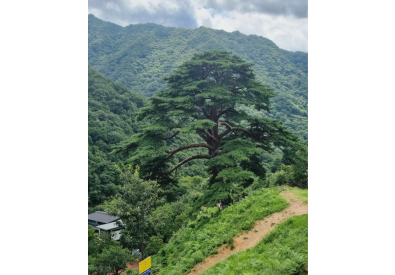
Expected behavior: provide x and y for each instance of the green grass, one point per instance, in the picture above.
(301, 194)
(202, 237)
(283, 251)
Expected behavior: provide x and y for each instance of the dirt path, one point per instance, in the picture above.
(255, 235)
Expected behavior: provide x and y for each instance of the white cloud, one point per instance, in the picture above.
(170, 13)
(289, 33)
(297, 8)
(113, 6)
(281, 21)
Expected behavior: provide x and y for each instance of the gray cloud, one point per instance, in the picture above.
(176, 13)
(282, 21)
(297, 8)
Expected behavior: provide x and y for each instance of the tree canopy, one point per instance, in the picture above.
(204, 97)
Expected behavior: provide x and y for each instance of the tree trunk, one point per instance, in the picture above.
(214, 132)
(230, 199)
(141, 249)
(142, 237)
(214, 171)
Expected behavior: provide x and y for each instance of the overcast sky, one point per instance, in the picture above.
(282, 21)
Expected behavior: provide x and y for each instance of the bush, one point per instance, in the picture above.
(154, 245)
(130, 271)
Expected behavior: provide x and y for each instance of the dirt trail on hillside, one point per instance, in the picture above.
(255, 235)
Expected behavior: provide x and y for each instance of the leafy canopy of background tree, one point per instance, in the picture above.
(140, 56)
(115, 258)
(104, 254)
(134, 204)
(203, 98)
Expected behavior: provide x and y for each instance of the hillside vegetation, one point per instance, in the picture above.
(282, 252)
(202, 237)
(219, 130)
(140, 56)
(111, 119)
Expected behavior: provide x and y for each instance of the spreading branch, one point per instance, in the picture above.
(231, 128)
(211, 136)
(176, 133)
(200, 135)
(189, 146)
(188, 159)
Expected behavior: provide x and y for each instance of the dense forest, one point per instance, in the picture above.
(140, 56)
(193, 135)
(111, 119)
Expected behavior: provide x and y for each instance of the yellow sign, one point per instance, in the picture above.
(145, 265)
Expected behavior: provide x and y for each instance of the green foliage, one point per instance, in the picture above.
(113, 258)
(293, 174)
(283, 251)
(134, 204)
(154, 245)
(141, 56)
(301, 194)
(202, 99)
(94, 246)
(198, 94)
(104, 254)
(202, 237)
(111, 119)
(130, 271)
(170, 217)
(91, 269)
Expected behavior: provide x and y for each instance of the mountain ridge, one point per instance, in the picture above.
(139, 56)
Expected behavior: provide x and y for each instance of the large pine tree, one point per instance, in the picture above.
(203, 97)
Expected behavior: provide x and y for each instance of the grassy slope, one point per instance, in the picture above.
(301, 194)
(283, 251)
(202, 237)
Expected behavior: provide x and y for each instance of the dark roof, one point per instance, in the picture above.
(103, 217)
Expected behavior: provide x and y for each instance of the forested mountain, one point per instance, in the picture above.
(140, 56)
(111, 118)
(192, 163)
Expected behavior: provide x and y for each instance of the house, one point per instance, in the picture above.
(99, 218)
(113, 228)
(101, 221)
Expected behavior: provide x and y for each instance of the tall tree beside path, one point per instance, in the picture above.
(203, 97)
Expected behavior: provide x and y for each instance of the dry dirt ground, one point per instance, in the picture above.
(254, 236)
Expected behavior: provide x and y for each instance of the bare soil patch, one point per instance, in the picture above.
(134, 265)
(254, 236)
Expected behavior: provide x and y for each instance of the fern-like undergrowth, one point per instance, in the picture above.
(283, 251)
(202, 237)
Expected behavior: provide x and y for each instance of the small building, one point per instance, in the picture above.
(113, 228)
(99, 218)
